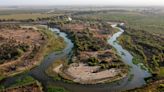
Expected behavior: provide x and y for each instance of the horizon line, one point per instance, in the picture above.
(91, 5)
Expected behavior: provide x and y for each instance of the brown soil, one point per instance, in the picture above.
(29, 37)
(84, 74)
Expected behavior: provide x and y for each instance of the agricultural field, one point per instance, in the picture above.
(26, 14)
(139, 20)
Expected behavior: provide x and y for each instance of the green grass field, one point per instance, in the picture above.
(161, 71)
(56, 89)
(152, 23)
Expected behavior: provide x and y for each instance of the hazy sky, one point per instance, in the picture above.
(82, 2)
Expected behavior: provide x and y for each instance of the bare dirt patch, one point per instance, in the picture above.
(20, 49)
(84, 74)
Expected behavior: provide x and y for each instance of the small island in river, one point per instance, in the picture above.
(93, 60)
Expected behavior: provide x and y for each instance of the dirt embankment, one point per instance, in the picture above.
(32, 87)
(84, 74)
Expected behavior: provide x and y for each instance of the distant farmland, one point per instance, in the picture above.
(26, 16)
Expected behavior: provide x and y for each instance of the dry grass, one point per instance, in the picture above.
(27, 16)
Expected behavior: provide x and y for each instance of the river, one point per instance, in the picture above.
(134, 79)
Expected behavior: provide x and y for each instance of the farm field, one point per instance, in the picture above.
(26, 16)
(140, 20)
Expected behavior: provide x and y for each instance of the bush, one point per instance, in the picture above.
(92, 61)
(56, 89)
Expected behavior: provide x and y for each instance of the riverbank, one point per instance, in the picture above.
(26, 83)
(155, 86)
(146, 53)
(83, 74)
